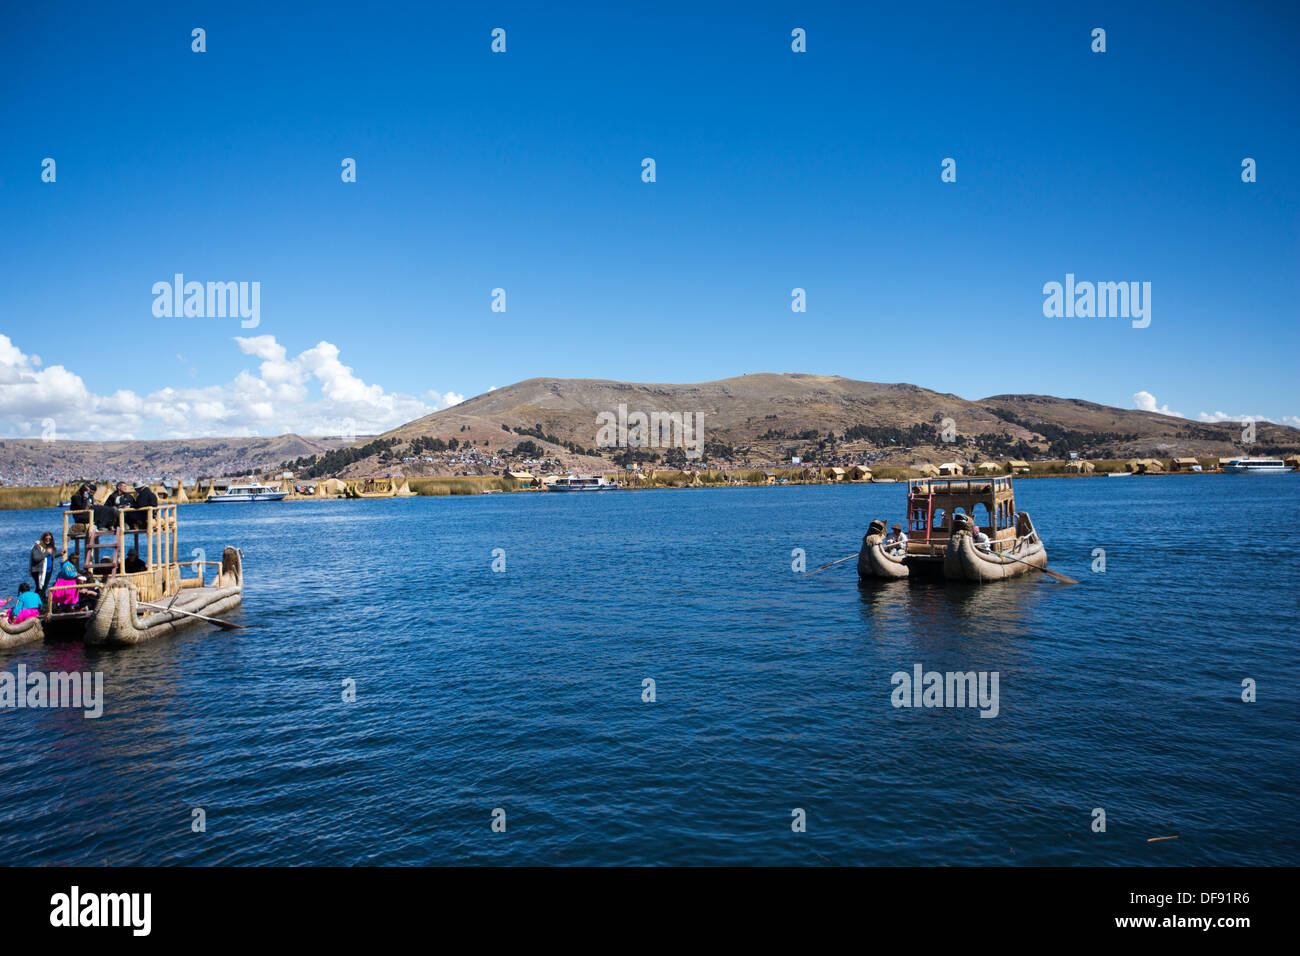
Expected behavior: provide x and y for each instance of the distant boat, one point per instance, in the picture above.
(1254, 466)
(1119, 474)
(248, 493)
(582, 483)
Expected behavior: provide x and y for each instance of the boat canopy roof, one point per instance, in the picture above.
(986, 490)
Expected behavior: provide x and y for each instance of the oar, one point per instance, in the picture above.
(201, 617)
(832, 564)
(1048, 571)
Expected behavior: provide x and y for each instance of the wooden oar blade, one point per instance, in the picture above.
(1059, 576)
(831, 565)
(228, 625)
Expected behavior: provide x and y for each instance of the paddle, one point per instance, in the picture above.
(201, 617)
(1048, 571)
(832, 564)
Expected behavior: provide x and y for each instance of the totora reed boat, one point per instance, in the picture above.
(136, 590)
(959, 529)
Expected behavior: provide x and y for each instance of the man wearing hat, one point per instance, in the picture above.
(896, 540)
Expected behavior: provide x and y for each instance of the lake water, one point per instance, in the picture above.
(522, 690)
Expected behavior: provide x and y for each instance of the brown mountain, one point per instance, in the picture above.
(750, 419)
(30, 461)
(767, 417)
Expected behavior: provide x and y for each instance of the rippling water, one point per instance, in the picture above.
(523, 690)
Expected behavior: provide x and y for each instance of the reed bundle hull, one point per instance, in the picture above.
(875, 563)
(964, 562)
(119, 620)
(24, 632)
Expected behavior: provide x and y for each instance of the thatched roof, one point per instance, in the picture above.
(928, 469)
(1017, 463)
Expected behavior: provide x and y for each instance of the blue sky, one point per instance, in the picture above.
(522, 170)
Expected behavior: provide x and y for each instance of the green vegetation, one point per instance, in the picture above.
(538, 432)
(1061, 441)
(333, 462)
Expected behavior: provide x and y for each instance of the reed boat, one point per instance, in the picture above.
(959, 529)
(24, 632)
(137, 590)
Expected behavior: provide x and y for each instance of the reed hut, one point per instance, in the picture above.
(859, 473)
(1016, 465)
(952, 469)
(928, 470)
(1080, 467)
(988, 467)
(1184, 464)
(332, 488)
(1150, 466)
(1292, 461)
(834, 474)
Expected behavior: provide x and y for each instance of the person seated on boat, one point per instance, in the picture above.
(121, 497)
(133, 562)
(144, 498)
(82, 504)
(27, 605)
(896, 540)
(979, 538)
(64, 594)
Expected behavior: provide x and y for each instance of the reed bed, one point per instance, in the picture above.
(438, 487)
(17, 498)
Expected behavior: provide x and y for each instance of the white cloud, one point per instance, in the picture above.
(444, 400)
(1292, 420)
(312, 393)
(1147, 403)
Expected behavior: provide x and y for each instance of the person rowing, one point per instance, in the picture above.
(896, 540)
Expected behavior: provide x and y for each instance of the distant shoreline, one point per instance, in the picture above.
(35, 498)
